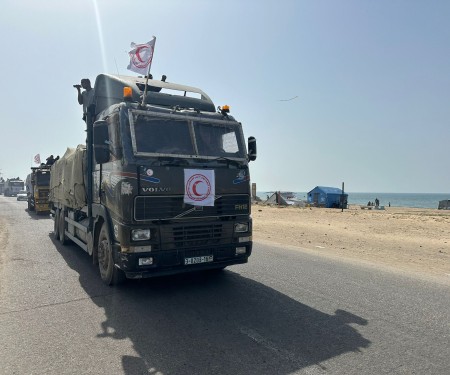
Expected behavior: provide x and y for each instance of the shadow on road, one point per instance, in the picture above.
(214, 323)
(38, 215)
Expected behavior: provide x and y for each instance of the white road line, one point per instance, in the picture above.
(304, 366)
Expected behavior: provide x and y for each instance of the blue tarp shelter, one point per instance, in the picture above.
(329, 197)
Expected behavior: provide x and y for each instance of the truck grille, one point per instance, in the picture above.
(172, 207)
(196, 236)
(43, 193)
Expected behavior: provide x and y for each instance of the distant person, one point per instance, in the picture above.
(50, 160)
(389, 204)
(85, 98)
(377, 202)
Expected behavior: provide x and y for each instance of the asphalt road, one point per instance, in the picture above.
(285, 312)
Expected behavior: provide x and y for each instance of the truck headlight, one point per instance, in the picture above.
(241, 250)
(140, 234)
(241, 227)
(146, 261)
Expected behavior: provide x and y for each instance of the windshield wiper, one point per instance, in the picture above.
(165, 160)
(228, 160)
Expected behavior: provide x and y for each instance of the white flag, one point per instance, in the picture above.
(141, 56)
(37, 159)
(199, 187)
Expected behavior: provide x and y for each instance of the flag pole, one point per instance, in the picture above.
(146, 83)
(148, 73)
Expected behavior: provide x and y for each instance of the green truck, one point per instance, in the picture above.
(162, 185)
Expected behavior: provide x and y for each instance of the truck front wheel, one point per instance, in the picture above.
(110, 274)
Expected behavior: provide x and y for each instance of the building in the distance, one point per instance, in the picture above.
(444, 205)
(329, 197)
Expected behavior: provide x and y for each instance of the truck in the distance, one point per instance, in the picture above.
(38, 187)
(162, 185)
(12, 186)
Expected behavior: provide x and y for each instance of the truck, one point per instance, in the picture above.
(162, 185)
(38, 187)
(12, 187)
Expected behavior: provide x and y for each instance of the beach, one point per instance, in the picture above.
(410, 240)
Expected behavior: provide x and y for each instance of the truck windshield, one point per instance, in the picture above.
(154, 135)
(222, 140)
(43, 179)
(182, 136)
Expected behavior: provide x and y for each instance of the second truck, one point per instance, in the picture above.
(38, 187)
(162, 185)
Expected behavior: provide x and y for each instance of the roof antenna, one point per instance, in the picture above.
(115, 62)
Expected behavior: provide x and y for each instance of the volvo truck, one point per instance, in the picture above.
(162, 185)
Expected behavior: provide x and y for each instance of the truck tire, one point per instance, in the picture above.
(110, 274)
(56, 224)
(62, 228)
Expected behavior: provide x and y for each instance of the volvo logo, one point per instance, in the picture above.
(156, 189)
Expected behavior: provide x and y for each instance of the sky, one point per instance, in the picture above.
(353, 91)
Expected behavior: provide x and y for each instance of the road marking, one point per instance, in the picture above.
(304, 365)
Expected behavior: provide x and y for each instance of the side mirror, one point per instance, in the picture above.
(101, 142)
(251, 148)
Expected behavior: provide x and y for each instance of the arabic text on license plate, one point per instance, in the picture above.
(196, 260)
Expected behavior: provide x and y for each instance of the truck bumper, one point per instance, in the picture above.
(181, 261)
(42, 208)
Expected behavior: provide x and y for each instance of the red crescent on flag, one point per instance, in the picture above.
(194, 188)
(137, 53)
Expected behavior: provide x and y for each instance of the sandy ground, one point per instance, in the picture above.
(405, 239)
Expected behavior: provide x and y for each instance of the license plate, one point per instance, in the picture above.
(197, 260)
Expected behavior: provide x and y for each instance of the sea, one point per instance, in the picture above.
(415, 200)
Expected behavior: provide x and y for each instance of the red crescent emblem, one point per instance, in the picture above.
(194, 188)
(138, 60)
(138, 50)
